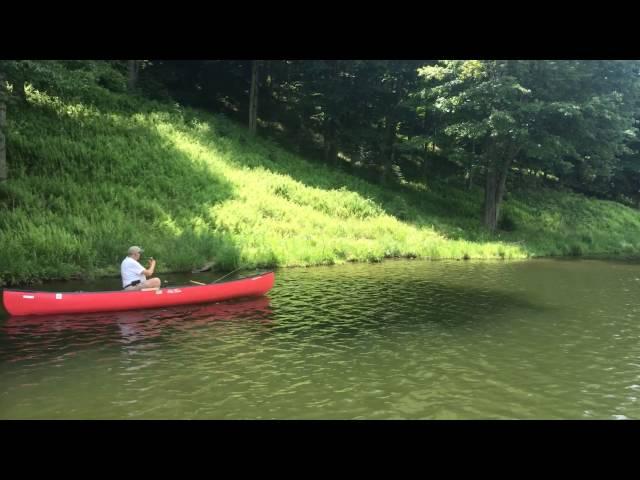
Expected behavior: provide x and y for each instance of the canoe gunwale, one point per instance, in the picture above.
(82, 292)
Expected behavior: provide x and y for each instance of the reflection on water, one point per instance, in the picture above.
(135, 325)
(45, 334)
(405, 339)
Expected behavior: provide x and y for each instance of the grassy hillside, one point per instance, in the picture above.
(94, 171)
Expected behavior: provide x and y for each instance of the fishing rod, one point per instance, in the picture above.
(216, 281)
(239, 268)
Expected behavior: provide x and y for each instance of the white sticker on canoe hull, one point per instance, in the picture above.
(58, 296)
(28, 296)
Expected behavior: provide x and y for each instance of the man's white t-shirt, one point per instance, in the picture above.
(130, 271)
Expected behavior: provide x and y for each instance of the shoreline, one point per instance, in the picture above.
(600, 257)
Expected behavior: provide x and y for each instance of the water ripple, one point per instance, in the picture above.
(405, 339)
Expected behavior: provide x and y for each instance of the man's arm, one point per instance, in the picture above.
(148, 272)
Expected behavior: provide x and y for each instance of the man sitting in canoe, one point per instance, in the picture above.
(134, 275)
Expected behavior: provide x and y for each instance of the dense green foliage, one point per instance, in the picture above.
(574, 121)
(94, 168)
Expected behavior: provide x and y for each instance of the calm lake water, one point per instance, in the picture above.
(540, 339)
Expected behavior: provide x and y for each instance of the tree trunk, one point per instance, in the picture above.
(501, 185)
(18, 90)
(425, 153)
(299, 135)
(253, 98)
(497, 172)
(490, 211)
(134, 65)
(389, 151)
(3, 123)
(330, 146)
(470, 170)
(425, 162)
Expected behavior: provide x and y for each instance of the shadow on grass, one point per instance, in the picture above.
(452, 211)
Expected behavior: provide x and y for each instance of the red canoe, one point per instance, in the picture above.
(23, 302)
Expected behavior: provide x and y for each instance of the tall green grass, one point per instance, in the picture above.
(96, 171)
